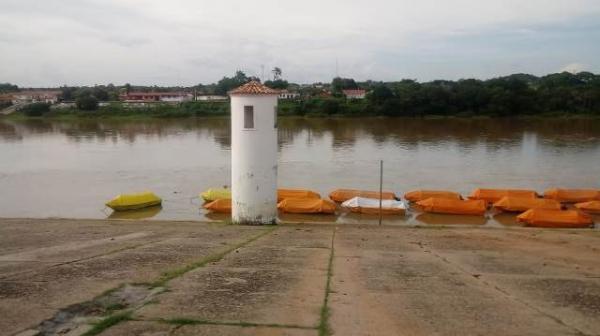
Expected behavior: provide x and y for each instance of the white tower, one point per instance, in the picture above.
(254, 154)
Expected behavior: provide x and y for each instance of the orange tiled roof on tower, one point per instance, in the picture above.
(253, 88)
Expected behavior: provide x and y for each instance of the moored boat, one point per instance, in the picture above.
(306, 206)
(453, 207)
(134, 201)
(342, 195)
(555, 218)
(520, 204)
(590, 207)
(296, 193)
(419, 195)
(494, 195)
(573, 195)
(222, 205)
(371, 206)
(214, 194)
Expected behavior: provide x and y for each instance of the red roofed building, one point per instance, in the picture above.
(253, 88)
(355, 93)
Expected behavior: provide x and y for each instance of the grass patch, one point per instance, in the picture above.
(243, 324)
(107, 323)
(175, 273)
(324, 328)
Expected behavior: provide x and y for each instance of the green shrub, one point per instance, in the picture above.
(35, 109)
(87, 103)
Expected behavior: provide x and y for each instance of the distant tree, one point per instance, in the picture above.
(277, 84)
(87, 103)
(68, 93)
(276, 73)
(338, 84)
(100, 93)
(7, 87)
(380, 94)
(227, 84)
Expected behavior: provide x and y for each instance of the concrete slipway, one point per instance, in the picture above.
(73, 277)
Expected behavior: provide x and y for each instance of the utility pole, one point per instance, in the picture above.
(380, 190)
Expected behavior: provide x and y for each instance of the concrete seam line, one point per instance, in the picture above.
(507, 294)
(323, 327)
(79, 260)
(176, 273)
(119, 316)
(244, 324)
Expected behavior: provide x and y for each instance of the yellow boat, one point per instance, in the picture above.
(214, 194)
(134, 201)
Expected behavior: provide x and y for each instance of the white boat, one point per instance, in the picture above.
(371, 206)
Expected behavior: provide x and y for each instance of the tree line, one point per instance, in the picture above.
(514, 95)
(518, 94)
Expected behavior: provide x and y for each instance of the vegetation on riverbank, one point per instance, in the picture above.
(119, 110)
(520, 95)
(313, 108)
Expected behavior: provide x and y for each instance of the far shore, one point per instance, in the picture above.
(145, 114)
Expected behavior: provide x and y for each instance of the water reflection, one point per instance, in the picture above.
(70, 167)
(442, 219)
(506, 219)
(343, 132)
(145, 213)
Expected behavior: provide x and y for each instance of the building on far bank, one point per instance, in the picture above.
(211, 98)
(5, 98)
(36, 96)
(150, 97)
(355, 93)
(285, 94)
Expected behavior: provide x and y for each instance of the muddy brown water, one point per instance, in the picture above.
(70, 168)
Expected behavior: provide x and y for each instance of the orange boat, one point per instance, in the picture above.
(296, 193)
(222, 205)
(453, 206)
(519, 204)
(555, 218)
(573, 195)
(591, 207)
(306, 206)
(342, 195)
(494, 195)
(419, 195)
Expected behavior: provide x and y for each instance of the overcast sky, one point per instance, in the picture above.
(185, 42)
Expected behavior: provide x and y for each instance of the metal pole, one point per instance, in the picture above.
(380, 189)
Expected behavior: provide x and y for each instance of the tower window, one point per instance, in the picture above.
(248, 116)
(275, 116)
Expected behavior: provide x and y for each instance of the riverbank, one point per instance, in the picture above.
(131, 277)
(314, 108)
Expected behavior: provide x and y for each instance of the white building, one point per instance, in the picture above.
(211, 98)
(355, 93)
(285, 94)
(149, 97)
(254, 154)
(36, 96)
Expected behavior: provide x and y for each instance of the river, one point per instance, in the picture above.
(70, 168)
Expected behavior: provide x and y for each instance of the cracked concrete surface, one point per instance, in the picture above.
(385, 280)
